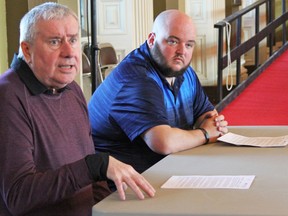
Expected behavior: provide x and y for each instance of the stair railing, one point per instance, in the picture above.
(235, 54)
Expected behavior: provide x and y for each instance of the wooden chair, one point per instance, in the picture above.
(107, 59)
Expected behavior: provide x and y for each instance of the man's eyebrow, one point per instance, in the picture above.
(62, 36)
(73, 35)
(174, 37)
(192, 41)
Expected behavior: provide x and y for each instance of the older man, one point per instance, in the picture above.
(47, 158)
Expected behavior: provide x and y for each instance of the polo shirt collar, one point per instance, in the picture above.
(29, 79)
(179, 79)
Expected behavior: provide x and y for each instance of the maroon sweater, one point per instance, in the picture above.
(44, 139)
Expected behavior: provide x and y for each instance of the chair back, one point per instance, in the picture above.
(107, 59)
(86, 67)
(107, 54)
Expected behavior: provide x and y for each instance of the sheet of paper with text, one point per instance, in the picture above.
(210, 182)
(236, 139)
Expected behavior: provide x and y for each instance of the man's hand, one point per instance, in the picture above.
(215, 125)
(221, 124)
(124, 175)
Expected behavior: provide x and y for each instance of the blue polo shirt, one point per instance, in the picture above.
(134, 98)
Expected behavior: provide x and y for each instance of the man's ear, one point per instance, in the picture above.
(26, 51)
(151, 39)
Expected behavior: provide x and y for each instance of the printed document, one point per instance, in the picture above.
(236, 139)
(209, 182)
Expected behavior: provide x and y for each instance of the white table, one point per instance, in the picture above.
(268, 195)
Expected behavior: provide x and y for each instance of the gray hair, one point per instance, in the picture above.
(45, 11)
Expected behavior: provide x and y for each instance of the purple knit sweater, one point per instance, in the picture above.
(44, 139)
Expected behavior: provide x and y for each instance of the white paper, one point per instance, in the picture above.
(254, 141)
(209, 182)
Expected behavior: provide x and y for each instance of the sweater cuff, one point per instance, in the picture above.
(98, 165)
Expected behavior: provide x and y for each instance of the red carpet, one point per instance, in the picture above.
(265, 100)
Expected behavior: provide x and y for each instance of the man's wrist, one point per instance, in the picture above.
(206, 135)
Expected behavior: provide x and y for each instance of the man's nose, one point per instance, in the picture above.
(67, 48)
(181, 48)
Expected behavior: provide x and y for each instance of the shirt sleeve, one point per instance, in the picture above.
(98, 164)
(143, 107)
